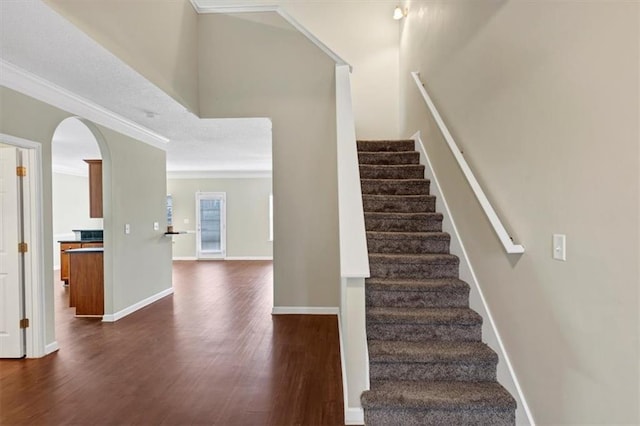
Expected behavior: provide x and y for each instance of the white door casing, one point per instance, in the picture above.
(12, 339)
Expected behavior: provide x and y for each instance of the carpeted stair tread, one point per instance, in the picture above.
(390, 203)
(385, 145)
(389, 158)
(407, 235)
(436, 284)
(403, 222)
(405, 216)
(421, 258)
(405, 197)
(424, 395)
(395, 186)
(408, 242)
(392, 171)
(430, 352)
(457, 316)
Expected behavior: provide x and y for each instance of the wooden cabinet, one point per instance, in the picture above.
(64, 257)
(95, 188)
(87, 287)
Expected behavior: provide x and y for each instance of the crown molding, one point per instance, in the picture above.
(247, 8)
(221, 174)
(22, 81)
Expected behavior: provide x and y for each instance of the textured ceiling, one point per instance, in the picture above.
(35, 38)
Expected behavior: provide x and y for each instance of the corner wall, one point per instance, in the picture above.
(271, 70)
(364, 34)
(139, 264)
(543, 98)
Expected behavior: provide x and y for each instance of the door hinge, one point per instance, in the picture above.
(23, 247)
(21, 171)
(24, 323)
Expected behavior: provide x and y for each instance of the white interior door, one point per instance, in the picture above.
(12, 342)
(211, 225)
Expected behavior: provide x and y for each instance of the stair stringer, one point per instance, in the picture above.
(506, 376)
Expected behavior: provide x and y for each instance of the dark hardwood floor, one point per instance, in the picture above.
(210, 354)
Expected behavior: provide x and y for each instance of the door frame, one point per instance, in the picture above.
(223, 225)
(34, 280)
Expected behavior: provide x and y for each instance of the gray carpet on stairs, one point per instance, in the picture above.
(428, 365)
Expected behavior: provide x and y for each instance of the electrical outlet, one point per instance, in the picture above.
(186, 221)
(156, 226)
(559, 247)
(127, 229)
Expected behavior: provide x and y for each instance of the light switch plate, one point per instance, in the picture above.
(127, 229)
(156, 226)
(559, 247)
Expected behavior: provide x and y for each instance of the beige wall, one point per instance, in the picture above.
(543, 99)
(162, 46)
(247, 214)
(70, 209)
(156, 38)
(271, 70)
(137, 265)
(364, 34)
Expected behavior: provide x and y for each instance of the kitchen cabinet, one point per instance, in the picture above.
(64, 257)
(95, 188)
(86, 266)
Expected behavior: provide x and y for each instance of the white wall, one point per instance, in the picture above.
(543, 98)
(70, 209)
(247, 214)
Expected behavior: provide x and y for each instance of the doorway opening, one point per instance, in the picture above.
(211, 228)
(22, 266)
(77, 218)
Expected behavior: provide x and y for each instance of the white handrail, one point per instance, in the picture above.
(498, 227)
(354, 258)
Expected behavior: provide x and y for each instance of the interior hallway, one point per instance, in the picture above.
(210, 354)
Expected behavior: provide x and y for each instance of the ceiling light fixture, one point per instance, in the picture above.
(399, 13)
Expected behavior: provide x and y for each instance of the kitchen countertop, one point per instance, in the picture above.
(85, 250)
(80, 241)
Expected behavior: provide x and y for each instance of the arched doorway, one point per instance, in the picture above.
(80, 162)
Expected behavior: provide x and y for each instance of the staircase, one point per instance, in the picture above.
(428, 364)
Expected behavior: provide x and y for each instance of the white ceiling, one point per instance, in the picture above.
(36, 39)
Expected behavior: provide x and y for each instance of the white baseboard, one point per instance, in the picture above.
(51, 348)
(490, 334)
(185, 258)
(305, 310)
(136, 306)
(353, 416)
(248, 258)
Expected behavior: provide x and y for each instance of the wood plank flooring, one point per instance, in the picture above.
(210, 354)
